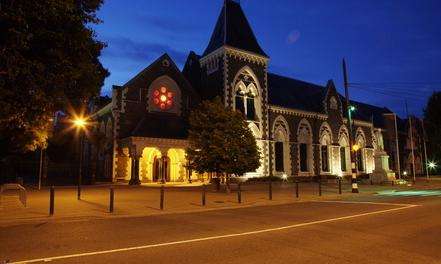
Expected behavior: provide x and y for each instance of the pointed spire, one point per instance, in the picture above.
(233, 29)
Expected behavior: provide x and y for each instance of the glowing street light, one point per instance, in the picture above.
(432, 165)
(355, 147)
(79, 122)
(352, 108)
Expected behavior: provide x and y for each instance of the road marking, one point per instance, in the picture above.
(373, 203)
(93, 253)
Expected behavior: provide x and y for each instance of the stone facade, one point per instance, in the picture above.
(300, 128)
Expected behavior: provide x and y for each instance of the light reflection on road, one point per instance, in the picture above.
(410, 193)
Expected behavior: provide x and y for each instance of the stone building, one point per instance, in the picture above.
(300, 128)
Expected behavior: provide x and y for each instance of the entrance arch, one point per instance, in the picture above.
(177, 162)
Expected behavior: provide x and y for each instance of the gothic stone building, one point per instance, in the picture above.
(299, 127)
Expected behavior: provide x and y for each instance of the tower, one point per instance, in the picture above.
(234, 67)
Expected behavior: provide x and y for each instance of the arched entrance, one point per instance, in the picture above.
(161, 169)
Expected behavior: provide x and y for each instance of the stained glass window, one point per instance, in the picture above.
(163, 98)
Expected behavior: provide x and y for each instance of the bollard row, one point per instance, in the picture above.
(203, 195)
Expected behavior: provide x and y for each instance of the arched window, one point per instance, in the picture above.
(325, 143)
(304, 138)
(246, 95)
(281, 145)
(164, 95)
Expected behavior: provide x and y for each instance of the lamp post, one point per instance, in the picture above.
(80, 123)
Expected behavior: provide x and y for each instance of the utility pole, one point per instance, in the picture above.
(351, 136)
(397, 148)
(425, 150)
(411, 143)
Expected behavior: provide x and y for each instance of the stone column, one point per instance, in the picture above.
(134, 177)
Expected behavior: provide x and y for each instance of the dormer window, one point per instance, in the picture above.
(333, 104)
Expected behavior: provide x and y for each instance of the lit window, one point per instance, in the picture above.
(163, 98)
(245, 103)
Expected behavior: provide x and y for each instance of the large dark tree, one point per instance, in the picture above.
(432, 120)
(48, 61)
(220, 141)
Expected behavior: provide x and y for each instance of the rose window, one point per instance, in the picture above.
(163, 98)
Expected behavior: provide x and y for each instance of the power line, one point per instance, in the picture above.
(391, 91)
(395, 95)
(411, 92)
(395, 88)
(397, 83)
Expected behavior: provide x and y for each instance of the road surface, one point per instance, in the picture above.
(389, 229)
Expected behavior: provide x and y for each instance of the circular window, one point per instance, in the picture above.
(163, 98)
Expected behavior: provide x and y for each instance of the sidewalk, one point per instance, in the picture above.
(136, 201)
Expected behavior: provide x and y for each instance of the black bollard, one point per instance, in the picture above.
(270, 190)
(203, 194)
(78, 192)
(112, 196)
(339, 186)
(297, 189)
(320, 187)
(161, 202)
(51, 201)
(239, 194)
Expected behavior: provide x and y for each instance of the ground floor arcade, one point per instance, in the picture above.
(153, 160)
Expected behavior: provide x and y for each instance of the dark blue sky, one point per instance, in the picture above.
(397, 42)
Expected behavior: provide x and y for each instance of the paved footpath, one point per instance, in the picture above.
(144, 200)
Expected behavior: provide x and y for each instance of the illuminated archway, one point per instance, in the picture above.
(177, 164)
(147, 163)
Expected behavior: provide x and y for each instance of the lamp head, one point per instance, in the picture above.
(355, 147)
(352, 108)
(79, 122)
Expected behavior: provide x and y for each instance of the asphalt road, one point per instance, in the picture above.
(307, 232)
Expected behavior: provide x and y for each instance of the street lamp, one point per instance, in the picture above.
(80, 123)
(352, 108)
(355, 147)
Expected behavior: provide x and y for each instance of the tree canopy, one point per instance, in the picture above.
(221, 141)
(432, 121)
(48, 61)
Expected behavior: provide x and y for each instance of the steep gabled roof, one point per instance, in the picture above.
(291, 93)
(232, 29)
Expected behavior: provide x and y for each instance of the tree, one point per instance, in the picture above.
(220, 141)
(432, 122)
(48, 62)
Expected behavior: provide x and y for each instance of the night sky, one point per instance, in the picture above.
(393, 48)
